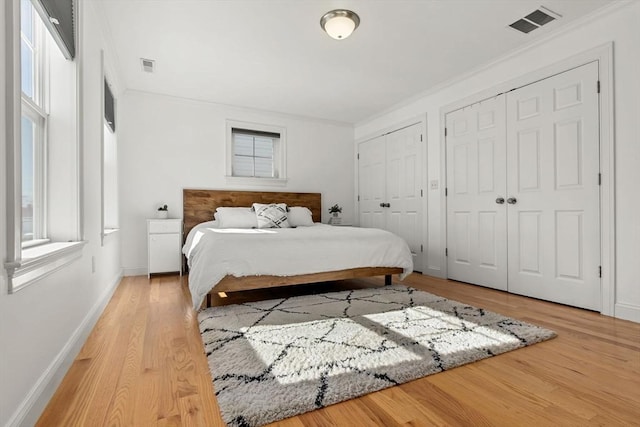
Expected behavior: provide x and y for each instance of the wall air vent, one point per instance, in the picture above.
(535, 19)
(148, 65)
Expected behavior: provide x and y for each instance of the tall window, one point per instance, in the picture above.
(109, 163)
(254, 153)
(44, 229)
(33, 125)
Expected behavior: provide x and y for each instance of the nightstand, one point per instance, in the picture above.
(164, 238)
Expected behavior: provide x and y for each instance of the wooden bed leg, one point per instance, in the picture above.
(387, 280)
(208, 300)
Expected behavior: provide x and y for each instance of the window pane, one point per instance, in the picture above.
(26, 19)
(242, 166)
(264, 168)
(28, 171)
(27, 70)
(242, 145)
(264, 147)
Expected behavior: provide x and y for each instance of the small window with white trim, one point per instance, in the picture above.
(256, 153)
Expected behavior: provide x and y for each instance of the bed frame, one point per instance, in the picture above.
(199, 206)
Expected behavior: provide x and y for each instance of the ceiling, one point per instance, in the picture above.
(273, 55)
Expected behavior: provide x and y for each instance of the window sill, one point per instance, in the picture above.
(40, 261)
(252, 181)
(109, 231)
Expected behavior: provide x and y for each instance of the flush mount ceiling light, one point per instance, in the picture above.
(340, 23)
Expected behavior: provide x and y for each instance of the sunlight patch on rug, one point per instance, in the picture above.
(273, 359)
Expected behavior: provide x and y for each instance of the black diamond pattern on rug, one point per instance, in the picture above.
(273, 359)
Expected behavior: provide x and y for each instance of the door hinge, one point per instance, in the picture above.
(599, 179)
(600, 271)
(445, 131)
(420, 137)
(598, 86)
(358, 156)
(446, 251)
(358, 197)
(421, 193)
(446, 191)
(421, 248)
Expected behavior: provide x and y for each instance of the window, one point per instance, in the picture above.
(253, 153)
(256, 154)
(109, 164)
(44, 223)
(33, 125)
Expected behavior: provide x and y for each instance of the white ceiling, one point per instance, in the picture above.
(273, 55)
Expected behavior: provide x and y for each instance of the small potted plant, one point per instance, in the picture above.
(335, 211)
(163, 212)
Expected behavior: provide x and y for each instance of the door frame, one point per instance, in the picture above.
(603, 55)
(419, 119)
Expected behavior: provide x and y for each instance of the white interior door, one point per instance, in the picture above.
(371, 182)
(476, 189)
(404, 188)
(553, 172)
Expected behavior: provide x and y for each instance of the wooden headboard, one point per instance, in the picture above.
(199, 205)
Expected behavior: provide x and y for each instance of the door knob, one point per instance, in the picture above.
(385, 205)
(382, 205)
(500, 200)
(512, 200)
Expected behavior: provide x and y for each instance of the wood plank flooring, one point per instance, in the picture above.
(143, 365)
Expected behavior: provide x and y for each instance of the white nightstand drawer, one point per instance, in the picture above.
(158, 226)
(164, 253)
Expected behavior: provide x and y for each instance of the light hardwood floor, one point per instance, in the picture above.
(143, 365)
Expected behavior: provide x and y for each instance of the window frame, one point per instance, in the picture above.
(279, 154)
(40, 235)
(25, 266)
(34, 108)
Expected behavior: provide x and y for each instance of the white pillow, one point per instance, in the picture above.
(300, 217)
(271, 216)
(236, 217)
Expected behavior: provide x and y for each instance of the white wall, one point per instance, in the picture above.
(618, 24)
(44, 325)
(166, 144)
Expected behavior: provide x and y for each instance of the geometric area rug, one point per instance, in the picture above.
(274, 359)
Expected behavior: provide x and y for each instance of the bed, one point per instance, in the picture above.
(216, 258)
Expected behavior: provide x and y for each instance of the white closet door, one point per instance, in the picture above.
(552, 169)
(403, 188)
(476, 215)
(371, 182)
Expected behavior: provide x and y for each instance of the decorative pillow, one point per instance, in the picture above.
(300, 217)
(271, 216)
(228, 217)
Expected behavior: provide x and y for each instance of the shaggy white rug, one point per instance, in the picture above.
(273, 359)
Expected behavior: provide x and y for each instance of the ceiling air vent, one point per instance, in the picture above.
(535, 19)
(148, 65)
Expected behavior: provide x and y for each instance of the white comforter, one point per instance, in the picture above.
(213, 253)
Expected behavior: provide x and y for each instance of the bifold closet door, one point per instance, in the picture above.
(403, 188)
(476, 208)
(552, 171)
(371, 182)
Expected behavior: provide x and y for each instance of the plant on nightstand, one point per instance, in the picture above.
(163, 212)
(335, 212)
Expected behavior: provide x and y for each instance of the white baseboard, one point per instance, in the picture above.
(140, 271)
(31, 408)
(628, 312)
(434, 272)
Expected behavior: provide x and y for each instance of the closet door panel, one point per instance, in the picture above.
(372, 187)
(476, 179)
(403, 188)
(553, 165)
